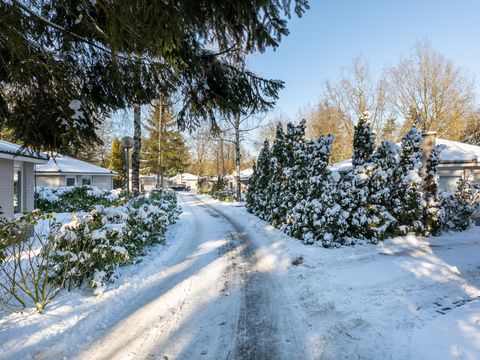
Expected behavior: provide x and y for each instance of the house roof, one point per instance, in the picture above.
(10, 150)
(68, 165)
(244, 174)
(454, 151)
(185, 177)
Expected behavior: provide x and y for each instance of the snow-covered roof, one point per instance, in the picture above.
(454, 151)
(185, 177)
(69, 165)
(457, 151)
(13, 151)
(244, 174)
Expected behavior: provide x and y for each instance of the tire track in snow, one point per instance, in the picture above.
(261, 324)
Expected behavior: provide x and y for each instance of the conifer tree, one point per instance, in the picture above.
(431, 195)
(381, 183)
(406, 195)
(295, 170)
(306, 219)
(363, 141)
(164, 150)
(117, 162)
(276, 188)
(257, 195)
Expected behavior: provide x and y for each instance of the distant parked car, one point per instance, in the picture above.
(180, 187)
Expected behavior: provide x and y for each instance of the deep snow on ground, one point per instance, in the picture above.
(224, 287)
(407, 298)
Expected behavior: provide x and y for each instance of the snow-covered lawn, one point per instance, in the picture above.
(407, 298)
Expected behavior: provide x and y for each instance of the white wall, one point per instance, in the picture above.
(6, 187)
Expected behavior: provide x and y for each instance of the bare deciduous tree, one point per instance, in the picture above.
(430, 92)
(357, 91)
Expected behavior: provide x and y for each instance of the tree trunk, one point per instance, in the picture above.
(159, 157)
(137, 139)
(237, 157)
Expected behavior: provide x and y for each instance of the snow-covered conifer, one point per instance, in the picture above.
(257, 195)
(276, 186)
(363, 141)
(431, 195)
(406, 194)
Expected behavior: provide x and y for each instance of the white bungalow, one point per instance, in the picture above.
(67, 171)
(245, 176)
(185, 178)
(457, 160)
(17, 177)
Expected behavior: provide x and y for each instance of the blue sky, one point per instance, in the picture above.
(332, 32)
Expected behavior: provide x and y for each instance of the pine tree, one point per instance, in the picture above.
(406, 194)
(365, 218)
(431, 195)
(363, 141)
(257, 195)
(381, 183)
(306, 220)
(276, 189)
(295, 169)
(164, 150)
(117, 162)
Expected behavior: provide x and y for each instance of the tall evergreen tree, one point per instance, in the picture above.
(431, 195)
(406, 196)
(257, 195)
(117, 162)
(164, 150)
(276, 188)
(363, 141)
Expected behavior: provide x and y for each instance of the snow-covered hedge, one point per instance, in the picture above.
(91, 247)
(36, 263)
(70, 198)
(384, 193)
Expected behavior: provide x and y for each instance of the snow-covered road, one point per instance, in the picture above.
(213, 302)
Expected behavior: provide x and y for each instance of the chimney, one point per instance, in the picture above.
(428, 143)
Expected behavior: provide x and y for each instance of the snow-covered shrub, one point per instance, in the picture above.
(92, 246)
(25, 278)
(220, 191)
(457, 209)
(203, 186)
(72, 199)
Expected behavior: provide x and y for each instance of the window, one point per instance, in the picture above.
(86, 181)
(70, 181)
(17, 191)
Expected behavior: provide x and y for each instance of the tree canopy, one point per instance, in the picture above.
(65, 65)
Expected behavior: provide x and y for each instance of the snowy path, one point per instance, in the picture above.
(213, 303)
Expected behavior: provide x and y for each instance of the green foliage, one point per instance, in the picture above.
(117, 163)
(431, 194)
(363, 141)
(102, 58)
(220, 191)
(164, 150)
(73, 199)
(203, 186)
